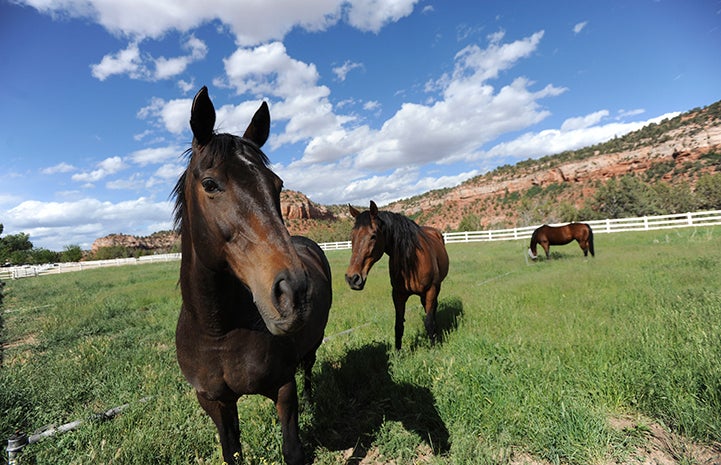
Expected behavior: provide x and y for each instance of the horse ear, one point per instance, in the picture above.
(353, 211)
(374, 209)
(202, 117)
(259, 127)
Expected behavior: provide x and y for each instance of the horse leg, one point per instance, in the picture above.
(225, 417)
(430, 305)
(287, 406)
(307, 364)
(546, 247)
(584, 246)
(399, 302)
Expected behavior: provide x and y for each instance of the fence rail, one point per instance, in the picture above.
(644, 223)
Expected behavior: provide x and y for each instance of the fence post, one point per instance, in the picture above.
(690, 218)
(645, 223)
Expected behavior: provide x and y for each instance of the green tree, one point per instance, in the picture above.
(708, 191)
(14, 248)
(71, 253)
(625, 197)
(470, 222)
(41, 255)
(674, 198)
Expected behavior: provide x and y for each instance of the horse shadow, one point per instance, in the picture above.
(448, 315)
(354, 396)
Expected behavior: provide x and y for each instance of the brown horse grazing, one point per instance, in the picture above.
(562, 235)
(255, 299)
(418, 261)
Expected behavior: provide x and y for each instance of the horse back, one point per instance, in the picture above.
(435, 253)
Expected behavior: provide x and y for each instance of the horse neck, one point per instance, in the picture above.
(216, 300)
(389, 234)
(393, 244)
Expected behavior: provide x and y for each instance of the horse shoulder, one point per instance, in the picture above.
(312, 256)
(320, 293)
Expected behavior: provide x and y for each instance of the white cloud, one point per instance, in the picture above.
(134, 182)
(137, 65)
(571, 136)
(59, 168)
(342, 71)
(579, 27)
(169, 67)
(250, 22)
(371, 105)
(171, 115)
(372, 15)
(126, 61)
(56, 224)
(582, 122)
(155, 155)
(105, 168)
(469, 114)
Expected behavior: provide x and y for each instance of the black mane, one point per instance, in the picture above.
(218, 148)
(401, 235)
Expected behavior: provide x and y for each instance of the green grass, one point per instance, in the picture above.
(535, 358)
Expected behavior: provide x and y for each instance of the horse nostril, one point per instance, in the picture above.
(282, 295)
(354, 280)
(288, 292)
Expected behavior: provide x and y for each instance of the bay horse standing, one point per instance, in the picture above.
(561, 235)
(418, 261)
(255, 299)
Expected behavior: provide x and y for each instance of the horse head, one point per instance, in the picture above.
(368, 245)
(228, 209)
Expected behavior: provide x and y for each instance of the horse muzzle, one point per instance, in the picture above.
(355, 281)
(290, 302)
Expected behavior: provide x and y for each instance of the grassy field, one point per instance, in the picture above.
(538, 362)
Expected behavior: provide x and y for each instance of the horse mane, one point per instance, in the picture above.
(215, 151)
(402, 234)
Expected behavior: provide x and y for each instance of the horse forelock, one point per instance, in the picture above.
(219, 148)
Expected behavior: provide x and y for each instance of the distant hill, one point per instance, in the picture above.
(678, 150)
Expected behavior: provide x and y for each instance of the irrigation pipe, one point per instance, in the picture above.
(347, 331)
(494, 278)
(18, 441)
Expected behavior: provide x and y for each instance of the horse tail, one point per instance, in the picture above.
(532, 248)
(590, 241)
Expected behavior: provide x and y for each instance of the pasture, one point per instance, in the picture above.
(569, 360)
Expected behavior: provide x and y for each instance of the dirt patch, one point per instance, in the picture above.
(658, 446)
(663, 447)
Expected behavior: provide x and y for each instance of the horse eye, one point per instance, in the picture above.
(210, 185)
(373, 237)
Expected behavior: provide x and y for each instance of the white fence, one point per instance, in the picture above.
(26, 271)
(646, 223)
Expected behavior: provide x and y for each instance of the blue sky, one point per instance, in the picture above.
(369, 99)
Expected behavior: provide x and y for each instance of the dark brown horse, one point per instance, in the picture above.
(418, 261)
(562, 235)
(255, 299)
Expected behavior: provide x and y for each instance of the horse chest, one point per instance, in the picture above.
(234, 364)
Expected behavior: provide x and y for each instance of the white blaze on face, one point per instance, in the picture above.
(530, 254)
